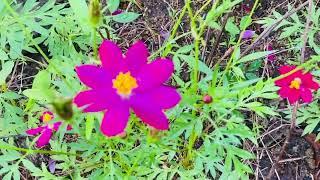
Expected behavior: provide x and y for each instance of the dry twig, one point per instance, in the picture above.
(285, 144)
(267, 31)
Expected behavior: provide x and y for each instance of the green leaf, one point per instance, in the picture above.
(214, 25)
(35, 94)
(245, 22)
(238, 72)
(41, 87)
(5, 71)
(113, 5)
(89, 126)
(254, 56)
(231, 27)
(81, 11)
(289, 31)
(42, 80)
(3, 55)
(30, 166)
(125, 17)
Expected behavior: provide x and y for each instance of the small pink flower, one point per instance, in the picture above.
(297, 85)
(125, 82)
(46, 116)
(246, 8)
(270, 57)
(118, 11)
(248, 34)
(46, 131)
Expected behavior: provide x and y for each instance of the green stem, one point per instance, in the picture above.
(94, 44)
(237, 45)
(168, 46)
(30, 151)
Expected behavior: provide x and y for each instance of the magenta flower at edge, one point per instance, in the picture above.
(47, 130)
(125, 82)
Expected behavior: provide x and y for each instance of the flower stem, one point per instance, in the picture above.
(30, 151)
(94, 44)
(286, 142)
(229, 63)
(174, 31)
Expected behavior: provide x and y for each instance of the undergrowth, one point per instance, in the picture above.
(205, 140)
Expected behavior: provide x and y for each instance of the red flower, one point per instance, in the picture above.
(297, 85)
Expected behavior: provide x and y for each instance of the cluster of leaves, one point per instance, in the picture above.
(292, 28)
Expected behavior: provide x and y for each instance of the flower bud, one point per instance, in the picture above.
(94, 12)
(207, 99)
(63, 108)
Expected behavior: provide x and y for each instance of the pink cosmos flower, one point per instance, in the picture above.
(125, 82)
(248, 34)
(45, 131)
(297, 85)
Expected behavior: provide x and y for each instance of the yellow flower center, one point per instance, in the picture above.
(124, 84)
(47, 117)
(295, 84)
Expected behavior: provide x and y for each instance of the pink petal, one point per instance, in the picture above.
(271, 57)
(286, 69)
(150, 114)
(308, 81)
(136, 57)
(97, 100)
(35, 131)
(111, 57)
(306, 95)
(69, 127)
(163, 97)
(115, 121)
(284, 91)
(284, 81)
(293, 96)
(154, 74)
(44, 138)
(57, 125)
(94, 76)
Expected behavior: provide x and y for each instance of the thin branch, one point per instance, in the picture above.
(285, 144)
(216, 44)
(305, 33)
